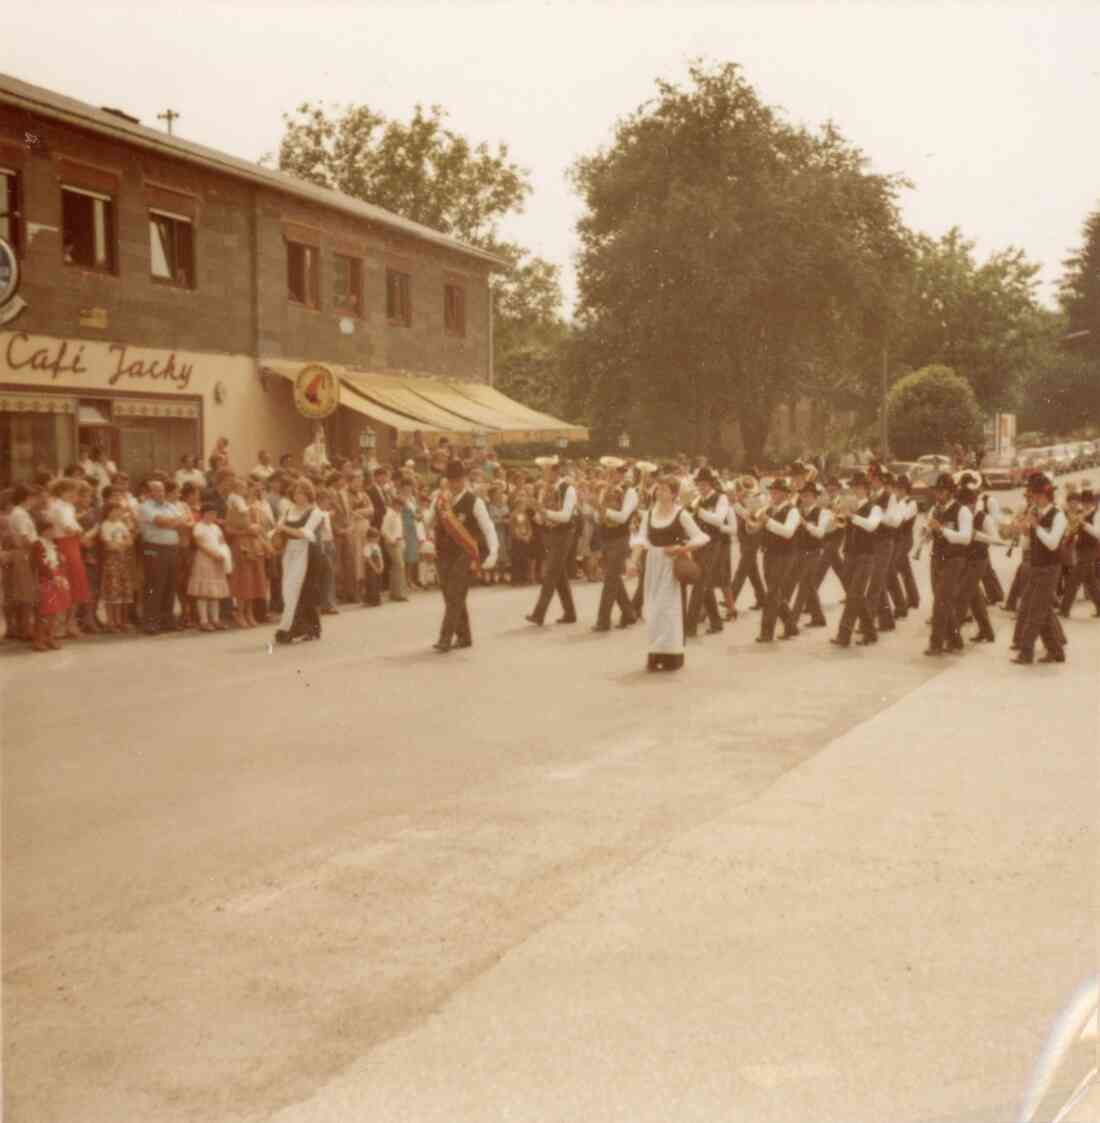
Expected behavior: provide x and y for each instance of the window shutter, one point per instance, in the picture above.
(303, 235)
(172, 202)
(72, 174)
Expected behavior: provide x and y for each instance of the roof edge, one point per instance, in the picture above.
(17, 93)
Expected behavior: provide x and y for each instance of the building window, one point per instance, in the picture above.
(454, 309)
(346, 293)
(88, 229)
(301, 274)
(9, 207)
(398, 297)
(171, 249)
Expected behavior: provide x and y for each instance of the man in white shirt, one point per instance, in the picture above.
(98, 470)
(1088, 546)
(264, 469)
(709, 510)
(189, 473)
(971, 597)
(393, 541)
(817, 523)
(859, 560)
(558, 538)
(463, 531)
(615, 534)
(315, 457)
(779, 558)
(955, 529)
(881, 481)
(1047, 527)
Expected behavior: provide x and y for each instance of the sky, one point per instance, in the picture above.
(990, 109)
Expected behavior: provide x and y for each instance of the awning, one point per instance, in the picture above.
(88, 416)
(154, 407)
(32, 403)
(411, 402)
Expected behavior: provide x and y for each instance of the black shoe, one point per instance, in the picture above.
(460, 643)
(764, 639)
(533, 619)
(604, 627)
(1023, 660)
(822, 623)
(867, 641)
(1049, 658)
(567, 620)
(789, 633)
(629, 622)
(282, 637)
(442, 648)
(886, 628)
(757, 608)
(713, 631)
(979, 638)
(955, 646)
(901, 615)
(933, 651)
(838, 642)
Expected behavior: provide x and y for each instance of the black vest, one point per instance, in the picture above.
(708, 504)
(861, 542)
(978, 551)
(1040, 555)
(882, 501)
(950, 519)
(610, 531)
(776, 543)
(804, 540)
(671, 535)
(908, 526)
(445, 546)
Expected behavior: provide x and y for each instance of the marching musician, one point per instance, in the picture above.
(615, 536)
(748, 544)
(779, 523)
(905, 543)
(859, 561)
(1087, 539)
(709, 510)
(556, 508)
(971, 595)
(724, 578)
(1045, 525)
(810, 541)
(464, 535)
(954, 529)
(831, 556)
(883, 498)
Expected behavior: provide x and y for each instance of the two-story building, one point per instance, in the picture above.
(170, 294)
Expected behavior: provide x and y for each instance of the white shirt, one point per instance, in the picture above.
(824, 523)
(787, 527)
(262, 472)
(1092, 526)
(99, 473)
(568, 506)
(311, 524)
(393, 527)
(63, 516)
(868, 522)
(624, 513)
(190, 476)
(894, 513)
(315, 458)
(965, 534)
(1051, 538)
(731, 519)
(990, 534)
(717, 516)
(21, 524)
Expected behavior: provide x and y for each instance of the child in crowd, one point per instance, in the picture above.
(209, 583)
(116, 579)
(501, 516)
(54, 601)
(374, 565)
(428, 575)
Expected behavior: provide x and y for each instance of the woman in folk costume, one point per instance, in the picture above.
(303, 566)
(667, 532)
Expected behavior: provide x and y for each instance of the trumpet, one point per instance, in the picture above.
(1015, 528)
(755, 520)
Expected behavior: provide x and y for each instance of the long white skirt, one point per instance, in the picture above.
(295, 564)
(663, 608)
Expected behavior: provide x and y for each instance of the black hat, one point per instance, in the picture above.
(779, 484)
(859, 479)
(904, 482)
(1039, 482)
(704, 476)
(809, 488)
(966, 495)
(885, 476)
(945, 482)
(1088, 495)
(456, 470)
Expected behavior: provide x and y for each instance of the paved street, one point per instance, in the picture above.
(357, 881)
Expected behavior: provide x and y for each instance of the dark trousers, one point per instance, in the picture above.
(1037, 609)
(454, 581)
(808, 579)
(904, 567)
(616, 550)
(1083, 573)
(555, 579)
(945, 604)
(637, 601)
(748, 570)
(777, 574)
(158, 603)
(1017, 587)
(895, 589)
(702, 592)
(830, 558)
(876, 592)
(991, 583)
(856, 606)
(972, 598)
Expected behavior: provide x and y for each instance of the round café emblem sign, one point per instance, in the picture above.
(316, 391)
(10, 304)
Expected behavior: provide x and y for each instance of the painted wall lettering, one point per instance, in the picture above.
(62, 357)
(149, 368)
(57, 360)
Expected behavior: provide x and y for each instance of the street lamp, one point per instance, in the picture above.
(563, 443)
(367, 441)
(479, 439)
(624, 441)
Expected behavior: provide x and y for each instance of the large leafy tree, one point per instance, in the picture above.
(425, 171)
(729, 260)
(1079, 291)
(932, 410)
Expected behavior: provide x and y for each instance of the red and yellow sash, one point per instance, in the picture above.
(458, 533)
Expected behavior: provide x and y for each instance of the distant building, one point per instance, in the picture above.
(173, 295)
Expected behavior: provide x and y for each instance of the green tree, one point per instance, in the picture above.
(728, 259)
(1062, 394)
(1079, 291)
(426, 172)
(931, 410)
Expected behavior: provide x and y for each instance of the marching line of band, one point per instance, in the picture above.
(675, 535)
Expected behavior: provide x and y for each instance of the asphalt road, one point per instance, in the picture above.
(357, 881)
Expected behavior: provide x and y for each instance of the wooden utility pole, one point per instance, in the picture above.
(168, 116)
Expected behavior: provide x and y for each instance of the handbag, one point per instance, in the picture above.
(686, 569)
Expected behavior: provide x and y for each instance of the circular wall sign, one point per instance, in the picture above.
(316, 391)
(9, 272)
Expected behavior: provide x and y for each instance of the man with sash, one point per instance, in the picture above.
(709, 510)
(615, 536)
(557, 533)
(465, 544)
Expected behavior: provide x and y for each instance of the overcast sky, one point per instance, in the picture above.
(990, 109)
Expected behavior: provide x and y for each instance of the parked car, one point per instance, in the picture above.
(936, 460)
(1003, 472)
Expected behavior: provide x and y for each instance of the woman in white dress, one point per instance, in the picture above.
(303, 566)
(667, 532)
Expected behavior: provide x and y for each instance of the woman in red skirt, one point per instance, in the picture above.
(53, 588)
(67, 533)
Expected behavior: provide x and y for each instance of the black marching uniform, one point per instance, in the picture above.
(971, 594)
(945, 591)
(748, 568)
(702, 592)
(883, 556)
(779, 561)
(559, 538)
(859, 557)
(1084, 569)
(456, 573)
(810, 550)
(1038, 620)
(902, 555)
(615, 537)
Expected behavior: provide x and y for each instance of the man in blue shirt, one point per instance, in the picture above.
(159, 523)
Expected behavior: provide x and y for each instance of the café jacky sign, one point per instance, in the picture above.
(112, 362)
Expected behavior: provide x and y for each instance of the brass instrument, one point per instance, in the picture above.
(931, 527)
(755, 520)
(843, 507)
(612, 496)
(1016, 528)
(549, 499)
